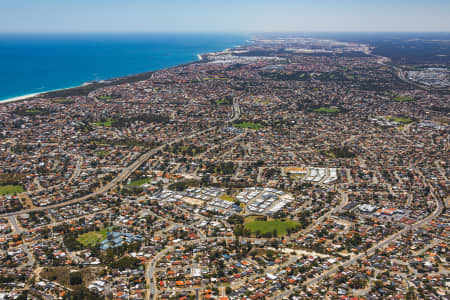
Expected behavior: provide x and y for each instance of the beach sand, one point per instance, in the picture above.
(24, 97)
(29, 96)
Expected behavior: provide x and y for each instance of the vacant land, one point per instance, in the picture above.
(139, 182)
(225, 101)
(401, 120)
(62, 101)
(193, 201)
(249, 125)
(105, 97)
(327, 110)
(262, 101)
(10, 189)
(93, 238)
(189, 150)
(228, 198)
(281, 226)
(33, 111)
(102, 153)
(61, 275)
(339, 152)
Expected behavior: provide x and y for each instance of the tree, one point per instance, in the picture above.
(126, 262)
(81, 293)
(228, 290)
(411, 294)
(75, 278)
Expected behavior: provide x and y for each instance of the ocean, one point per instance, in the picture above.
(35, 63)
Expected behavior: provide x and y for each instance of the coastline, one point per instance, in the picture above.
(20, 98)
(102, 83)
(35, 95)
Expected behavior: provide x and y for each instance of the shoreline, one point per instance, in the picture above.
(35, 95)
(111, 81)
(101, 83)
(19, 98)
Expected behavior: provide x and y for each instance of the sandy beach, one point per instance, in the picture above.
(34, 95)
(29, 96)
(20, 98)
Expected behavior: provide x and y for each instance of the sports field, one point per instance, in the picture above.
(93, 238)
(140, 182)
(10, 189)
(327, 110)
(403, 99)
(268, 226)
(400, 120)
(107, 123)
(249, 125)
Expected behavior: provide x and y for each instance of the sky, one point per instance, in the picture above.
(224, 15)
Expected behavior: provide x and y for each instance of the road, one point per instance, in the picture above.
(174, 225)
(232, 140)
(77, 170)
(150, 270)
(16, 228)
(150, 278)
(381, 244)
(150, 273)
(236, 113)
(152, 291)
(126, 172)
(401, 75)
(56, 223)
(325, 216)
(29, 254)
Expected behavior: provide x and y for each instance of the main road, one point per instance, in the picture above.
(126, 172)
(379, 245)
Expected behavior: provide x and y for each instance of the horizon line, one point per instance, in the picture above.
(210, 32)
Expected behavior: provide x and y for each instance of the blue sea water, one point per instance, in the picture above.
(33, 63)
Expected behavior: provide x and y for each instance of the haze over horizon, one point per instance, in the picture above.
(232, 16)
